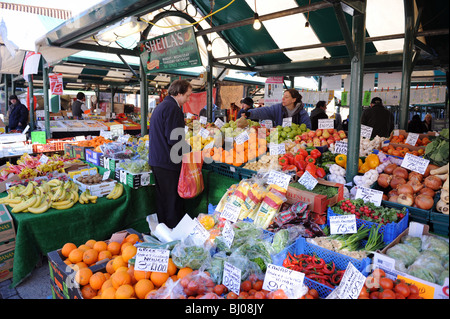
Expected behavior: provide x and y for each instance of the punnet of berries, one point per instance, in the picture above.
(369, 211)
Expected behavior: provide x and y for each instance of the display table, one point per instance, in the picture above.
(36, 235)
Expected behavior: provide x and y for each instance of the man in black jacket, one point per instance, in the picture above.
(379, 118)
(18, 115)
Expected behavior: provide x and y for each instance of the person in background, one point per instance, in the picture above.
(291, 106)
(416, 125)
(427, 122)
(18, 115)
(78, 107)
(232, 112)
(379, 118)
(345, 124)
(246, 104)
(319, 113)
(203, 112)
(167, 117)
(337, 121)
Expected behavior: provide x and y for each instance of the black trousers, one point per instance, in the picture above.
(169, 205)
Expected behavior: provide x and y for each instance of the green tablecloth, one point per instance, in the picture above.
(36, 235)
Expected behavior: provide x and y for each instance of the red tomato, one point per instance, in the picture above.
(257, 285)
(387, 294)
(399, 296)
(246, 285)
(314, 293)
(378, 273)
(386, 283)
(374, 295)
(413, 289)
(232, 295)
(402, 289)
(364, 293)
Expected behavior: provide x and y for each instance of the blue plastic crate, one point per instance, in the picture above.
(390, 231)
(245, 173)
(415, 214)
(301, 246)
(225, 170)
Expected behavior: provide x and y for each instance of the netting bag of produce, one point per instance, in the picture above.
(190, 183)
(115, 150)
(428, 266)
(215, 266)
(403, 254)
(437, 245)
(188, 254)
(416, 242)
(197, 283)
(170, 290)
(256, 250)
(443, 275)
(248, 268)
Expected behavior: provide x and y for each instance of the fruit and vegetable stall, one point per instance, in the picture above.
(275, 218)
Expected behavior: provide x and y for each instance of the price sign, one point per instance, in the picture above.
(43, 159)
(412, 138)
(219, 123)
(384, 262)
(231, 212)
(123, 138)
(199, 233)
(279, 179)
(203, 119)
(106, 175)
(69, 114)
(287, 121)
(204, 133)
(267, 123)
(340, 148)
(231, 277)
(277, 149)
(325, 124)
(242, 138)
(149, 259)
(308, 181)
(278, 277)
(80, 138)
(228, 234)
(351, 284)
(123, 177)
(415, 163)
(116, 130)
(369, 195)
(189, 115)
(343, 224)
(366, 131)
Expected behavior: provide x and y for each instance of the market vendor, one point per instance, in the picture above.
(18, 115)
(78, 107)
(291, 106)
(167, 117)
(319, 113)
(246, 104)
(379, 118)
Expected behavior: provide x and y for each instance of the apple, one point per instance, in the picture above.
(316, 143)
(311, 134)
(323, 143)
(309, 143)
(319, 132)
(342, 134)
(297, 138)
(331, 130)
(330, 140)
(337, 138)
(325, 134)
(305, 136)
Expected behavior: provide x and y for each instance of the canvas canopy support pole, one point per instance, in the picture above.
(144, 99)
(209, 88)
(5, 78)
(46, 87)
(31, 97)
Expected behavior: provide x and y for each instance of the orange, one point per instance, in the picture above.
(67, 262)
(124, 292)
(143, 287)
(104, 254)
(97, 280)
(83, 247)
(122, 268)
(130, 271)
(75, 256)
(83, 275)
(90, 243)
(159, 278)
(171, 269)
(67, 248)
(132, 238)
(120, 278)
(100, 245)
(183, 272)
(90, 256)
(109, 267)
(106, 284)
(114, 248)
(140, 274)
(80, 265)
(88, 292)
(129, 252)
(118, 262)
(109, 293)
(125, 245)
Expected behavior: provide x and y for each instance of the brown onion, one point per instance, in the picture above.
(384, 180)
(415, 184)
(393, 198)
(392, 192)
(400, 172)
(405, 199)
(415, 176)
(396, 181)
(433, 182)
(405, 189)
(424, 201)
(390, 168)
(429, 168)
(385, 197)
(427, 191)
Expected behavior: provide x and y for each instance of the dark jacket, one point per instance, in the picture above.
(426, 126)
(18, 114)
(277, 112)
(416, 126)
(242, 111)
(380, 119)
(316, 115)
(76, 109)
(166, 117)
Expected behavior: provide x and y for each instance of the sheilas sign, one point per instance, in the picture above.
(175, 50)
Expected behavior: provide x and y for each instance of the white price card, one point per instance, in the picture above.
(123, 138)
(199, 233)
(242, 138)
(340, 148)
(150, 259)
(412, 138)
(228, 233)
(279, 179)
(204, 133)
(43, 159)
(106, 163)
(308, 181)
(189, 115)
(383, 261)
(106, 175)
(287, 121)
(116, 130)
(266, 123)
(277, 149)
(123, 177)
(278, 277)
(219, 123)
(203, 120)
(325, 124)
(343, 224)
(366, 131)
(80, 138)
(231, 212)
(351, 284)
(415, 163)
(369, 195)
(69, 114)
(231, 277)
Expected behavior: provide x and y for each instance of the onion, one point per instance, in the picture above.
(405, 199)
(384, 180)
(401, 172)
(385, 197)
(424, 201)
(433, 182)
(415, 176)
(396, 181)
(415, 184)
(430, 167)
(405, 189)
(390, 168)
(427, 191)
(392, 192)
(393, 198)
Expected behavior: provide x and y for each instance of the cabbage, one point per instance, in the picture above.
(280, 240)
(416, 242)
(407, 254)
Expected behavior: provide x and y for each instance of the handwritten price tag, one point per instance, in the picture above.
(149, 259)
(219, 123)
(415, 163)
(308, 180)
(340, 148)
(278, 277)
(279, 179)
(204, 133)
(369, 195)
(366, 131)
(199, 233)
(351, 284)
(43, 159)
(228, 234)
(231, 277)
(412, 139)
(231, 212)
(325, 124)
(277, 149)
(242, 138)
(116, 130)
(343, 224)
(287, 121)
(267, 123)
(203, 119)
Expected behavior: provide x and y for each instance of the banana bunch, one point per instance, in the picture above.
(86, 197)
(116, 192)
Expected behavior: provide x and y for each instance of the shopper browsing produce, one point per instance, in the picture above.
(379, 118)
(167, 117)
(18, 115)
(246, 104)
(318, 113)
(78, 106)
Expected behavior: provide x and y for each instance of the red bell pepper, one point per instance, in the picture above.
(289, 168)
(311, 168)
(298, 158)
(320, 172)
(299, 173)
(283, 160)
(303, 152)
(301, 165)
(290, 157)
(315, 153)
(310, 159)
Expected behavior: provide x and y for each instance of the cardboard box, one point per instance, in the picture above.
(135, 180)
(62, 277)
(68, 150)
(99, 190)
(86, 171)
(79, 151)
(13, 138)
(6, 264)
(108, 163)
(7, 231)
(93, 157)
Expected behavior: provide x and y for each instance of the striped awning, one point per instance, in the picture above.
(48, 12)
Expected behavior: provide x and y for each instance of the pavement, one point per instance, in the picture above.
(35, 286)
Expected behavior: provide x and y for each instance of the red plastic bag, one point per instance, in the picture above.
(190, 183)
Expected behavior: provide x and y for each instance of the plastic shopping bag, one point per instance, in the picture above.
(190, 183)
